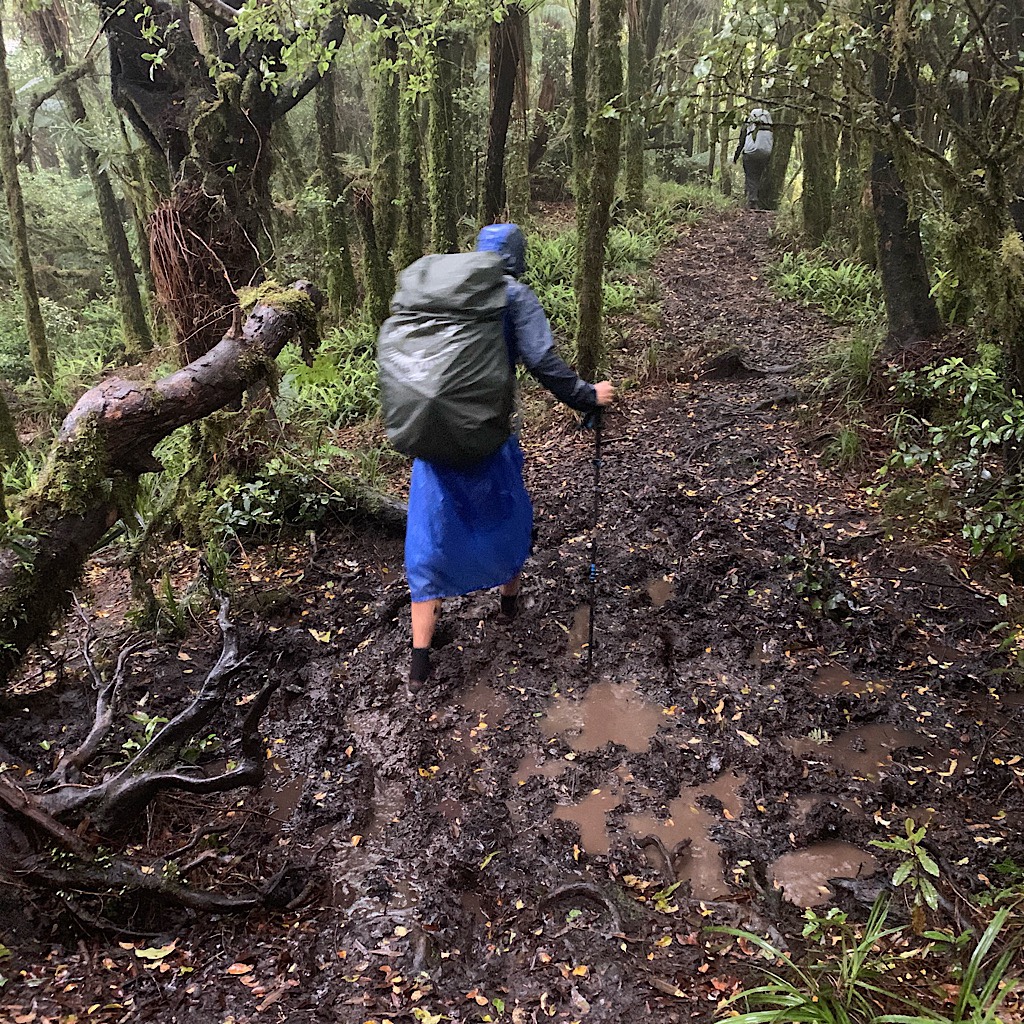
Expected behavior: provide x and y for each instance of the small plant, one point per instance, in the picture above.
(840, 984)
(917, 868)
(149, 726)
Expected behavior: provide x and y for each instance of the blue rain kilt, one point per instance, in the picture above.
(468, 529)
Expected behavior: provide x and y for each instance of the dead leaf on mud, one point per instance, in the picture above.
(239, 969)
(747, 737)
(667, 987)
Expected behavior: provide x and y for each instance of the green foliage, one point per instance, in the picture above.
(917, 868)
(341, 385)
(84, 342)
(847, 291)
(288, 489)
(952, 443)
(840, 982)
(849, 974)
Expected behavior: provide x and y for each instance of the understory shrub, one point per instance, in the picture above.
(957, 455)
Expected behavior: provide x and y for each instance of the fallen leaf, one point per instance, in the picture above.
(239, 969)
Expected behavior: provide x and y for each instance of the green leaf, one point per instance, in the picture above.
(902, 872)
(927, 863)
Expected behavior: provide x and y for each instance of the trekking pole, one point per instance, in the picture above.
(592, 547)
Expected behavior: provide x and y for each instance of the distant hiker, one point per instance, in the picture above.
(756, 149)
(470, 522)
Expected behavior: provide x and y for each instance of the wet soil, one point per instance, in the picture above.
(777, 681)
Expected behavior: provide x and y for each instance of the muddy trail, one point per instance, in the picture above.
(776, 683)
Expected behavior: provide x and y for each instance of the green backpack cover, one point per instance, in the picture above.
(447, 388)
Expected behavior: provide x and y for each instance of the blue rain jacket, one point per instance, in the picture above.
(470, 529)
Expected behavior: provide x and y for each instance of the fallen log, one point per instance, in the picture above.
(105, 444)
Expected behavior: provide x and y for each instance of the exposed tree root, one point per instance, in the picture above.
(63, 815)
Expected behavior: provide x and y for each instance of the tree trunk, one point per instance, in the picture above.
(636, 63)
(580, 114)
(105, 443)
(819, 180)
(384, 158)
(606, 134)
(378, 282)
(134, 326)
(444, 221)
(781, 103)
(10, 446)
(517, 154)
(39, 352)
(506, 52)
(911, 311)
(341, 280)
(410, 188)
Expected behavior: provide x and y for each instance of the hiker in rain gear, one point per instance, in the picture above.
(471, 528)
(756, 149)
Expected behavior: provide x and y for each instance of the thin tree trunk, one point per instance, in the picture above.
(506, 52)
(819, 153)
(781, 104)
(636, 63)
(384, 158)
(378, 282)
(910, 308)
(410, 188)
(517, 153)
(606, 134)
(134, 325)
(580, 114)
(444, 222)
(10, 446)
(38, 350)
(340, 277)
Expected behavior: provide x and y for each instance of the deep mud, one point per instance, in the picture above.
(776, 683)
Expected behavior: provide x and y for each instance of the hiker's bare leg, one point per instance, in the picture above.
(511, 588)
(510, 598)
(424, 619)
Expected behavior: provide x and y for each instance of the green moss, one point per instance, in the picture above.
(74, 475)
(284, 300)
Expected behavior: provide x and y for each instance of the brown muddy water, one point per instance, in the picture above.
(803, 875)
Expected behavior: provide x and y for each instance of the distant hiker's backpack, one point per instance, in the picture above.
(759, 133)
(447, 388)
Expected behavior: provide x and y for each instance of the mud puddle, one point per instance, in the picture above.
(282, 791)
(686, 834)
(803, 875)
(607, 713)
(661, 590)
(865, 752)
(833, 680)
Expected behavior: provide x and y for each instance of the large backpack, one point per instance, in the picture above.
(759, 133)
(447, 388)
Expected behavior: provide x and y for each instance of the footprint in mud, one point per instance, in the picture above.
(803, 875)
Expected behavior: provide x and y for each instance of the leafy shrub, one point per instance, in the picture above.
(847, 291)
(293, 490)
(955, 460)
(341, 385)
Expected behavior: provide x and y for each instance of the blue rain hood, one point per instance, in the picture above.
(508, 240)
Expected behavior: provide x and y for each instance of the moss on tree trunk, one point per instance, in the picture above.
(606, 135)
(410, 187)
(444, 218)
(819, 141)
(580, 115)
(38, 349)
(340, 277)
(385, 145)
(637, 13)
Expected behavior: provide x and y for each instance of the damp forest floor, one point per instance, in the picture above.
(780, 677)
